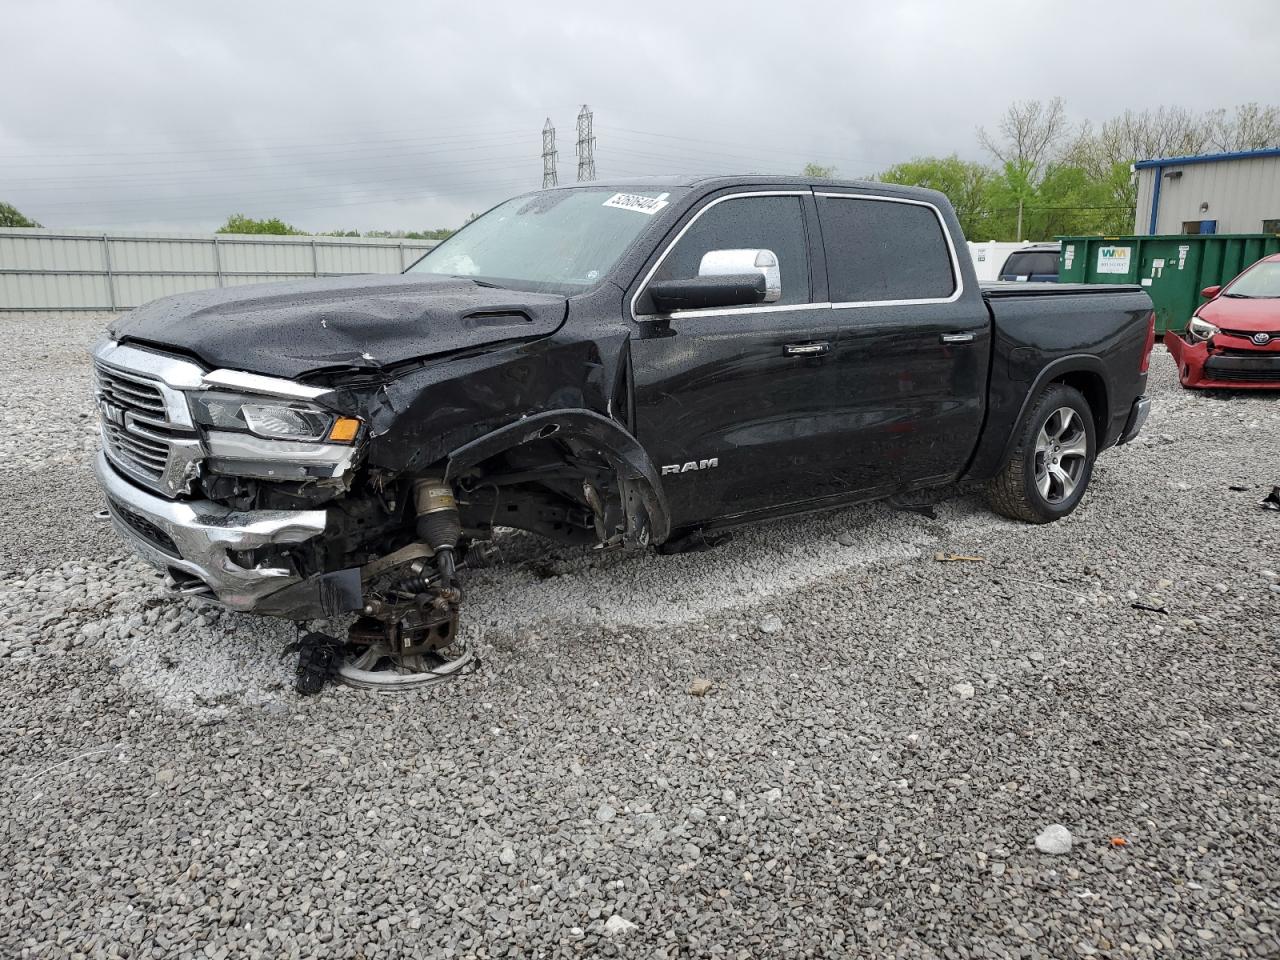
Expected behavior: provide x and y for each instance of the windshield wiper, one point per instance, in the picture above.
(1239, 296)
(478, 283)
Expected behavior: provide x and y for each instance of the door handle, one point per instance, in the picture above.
(807, 349)
(958, 338)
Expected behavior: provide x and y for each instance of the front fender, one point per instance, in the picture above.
(636, 472)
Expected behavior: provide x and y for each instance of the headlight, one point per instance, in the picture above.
(1201, 329)
(272, 419)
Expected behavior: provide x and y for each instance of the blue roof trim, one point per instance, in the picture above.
(1207, 158)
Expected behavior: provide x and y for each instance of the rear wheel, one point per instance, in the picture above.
(1053, 461)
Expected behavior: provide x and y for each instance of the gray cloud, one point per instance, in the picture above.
(412, 115)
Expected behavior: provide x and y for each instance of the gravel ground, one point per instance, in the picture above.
(885, 738)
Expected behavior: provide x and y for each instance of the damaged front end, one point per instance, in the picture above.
(1208, 357)
(359, 496)
(219, 478)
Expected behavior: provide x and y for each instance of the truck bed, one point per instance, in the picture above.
(1099, 331)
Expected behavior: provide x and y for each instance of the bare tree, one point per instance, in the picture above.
(1173, 132)
(1030, 136)
(1249, 127)
(1139, 135)
(1034, 140)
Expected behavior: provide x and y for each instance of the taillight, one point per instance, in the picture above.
(1150, 344)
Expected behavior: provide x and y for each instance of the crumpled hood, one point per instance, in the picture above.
(368, 322)
(1237, 313)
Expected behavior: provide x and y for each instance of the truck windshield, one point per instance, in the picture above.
(557, 241)
(1260, 281)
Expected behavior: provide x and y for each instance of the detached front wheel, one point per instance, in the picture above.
(1052, 462)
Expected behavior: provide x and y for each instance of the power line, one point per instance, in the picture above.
(175, 193)
(135, 139)
(698, 161)
(323, 171)
(586, 146)
(703, 163)
(1029, 208)
(731, 144)
(377, 148)
(204, 211)
(261, 196)
(549, 176)
(257, 147)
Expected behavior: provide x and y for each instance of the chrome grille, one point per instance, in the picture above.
(130, 392)
(137, 432)
(141, 452)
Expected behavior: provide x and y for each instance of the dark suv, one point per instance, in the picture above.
(1036, 263)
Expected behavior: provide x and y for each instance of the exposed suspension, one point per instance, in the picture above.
(411, 619)
(439, 524)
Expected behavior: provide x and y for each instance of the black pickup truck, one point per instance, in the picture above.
(631, 364)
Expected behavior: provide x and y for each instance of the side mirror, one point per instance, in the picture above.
(726, 263)
(700, 293)
(1210, 292)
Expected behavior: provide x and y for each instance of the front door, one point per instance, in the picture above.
(733, 403)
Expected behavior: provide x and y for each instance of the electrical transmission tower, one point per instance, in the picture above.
(549, 178)
(586, 148)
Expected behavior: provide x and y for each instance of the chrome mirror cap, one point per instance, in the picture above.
(726, 263)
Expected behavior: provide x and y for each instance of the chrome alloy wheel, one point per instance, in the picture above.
(1062, 450)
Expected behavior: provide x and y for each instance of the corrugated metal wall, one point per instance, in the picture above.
(1142, 206)
(84, 270)
(1240, 194)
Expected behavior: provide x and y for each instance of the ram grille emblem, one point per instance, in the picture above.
(690, 466)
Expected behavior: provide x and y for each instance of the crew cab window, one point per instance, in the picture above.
(769, 223)
(884, 250)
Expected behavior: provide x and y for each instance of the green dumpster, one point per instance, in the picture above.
(1173, 268)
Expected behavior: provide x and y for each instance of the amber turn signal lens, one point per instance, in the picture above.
(344, 430)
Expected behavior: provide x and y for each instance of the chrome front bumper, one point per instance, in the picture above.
(195, 538)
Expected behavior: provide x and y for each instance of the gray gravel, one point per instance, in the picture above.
(884, 738)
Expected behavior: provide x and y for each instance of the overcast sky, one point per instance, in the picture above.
(398, 115)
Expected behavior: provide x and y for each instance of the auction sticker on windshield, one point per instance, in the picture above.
(630, 201)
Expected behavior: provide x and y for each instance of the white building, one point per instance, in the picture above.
(1213, 193)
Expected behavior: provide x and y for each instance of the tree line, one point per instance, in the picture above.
(11, 216)
(239, 223)
(1049, 177)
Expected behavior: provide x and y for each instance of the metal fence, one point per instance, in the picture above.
(91, 270)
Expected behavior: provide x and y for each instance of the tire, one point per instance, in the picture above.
(1053, 461)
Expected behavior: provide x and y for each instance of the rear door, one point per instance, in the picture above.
(913, 344)
(733, 403)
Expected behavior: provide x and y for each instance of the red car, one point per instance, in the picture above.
(1234, 340)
